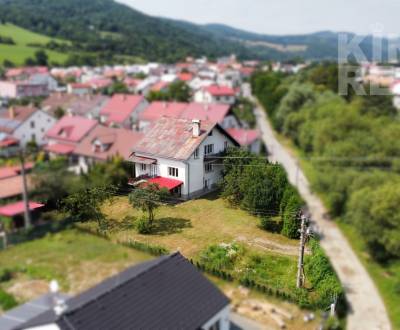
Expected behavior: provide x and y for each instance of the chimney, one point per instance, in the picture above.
(196, 127)
(59, 307)
(11, 112)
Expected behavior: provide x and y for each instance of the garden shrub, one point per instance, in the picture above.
(7, 301)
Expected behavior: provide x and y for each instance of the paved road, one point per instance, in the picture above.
(367, 310)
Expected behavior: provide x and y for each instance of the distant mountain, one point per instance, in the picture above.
(107, 31)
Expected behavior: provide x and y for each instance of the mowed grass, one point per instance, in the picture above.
(77, 260)
(19, 52)
(192, 226)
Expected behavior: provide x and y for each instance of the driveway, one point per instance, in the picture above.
(367, 310)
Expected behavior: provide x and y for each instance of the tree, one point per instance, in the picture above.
(179, 91)
(148, 200)
(117, 87)
(86, 204)
(8, 64)
(41, 58)
(291, 214)
(375, 214)
(59, 112)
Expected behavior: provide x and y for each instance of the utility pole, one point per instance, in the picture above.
(27, 214)
(300, 266)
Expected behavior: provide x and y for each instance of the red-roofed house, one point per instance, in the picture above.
(123, 110)
(185, 76)
(79, 88)
(218, 113)
(66, 134)
(179, 154)
(216, 94)
(20, 89)
(104, 143)
(248, 139)
(15, 211)
(156, 110)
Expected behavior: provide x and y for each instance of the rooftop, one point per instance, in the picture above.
(71, 128)
(243, 136)
(172, 138)
(117, 141)
(120, 107)
(217, 90)
(13, 117)
(13, 209)
(157, 110)
(165, 293)
(211, 112)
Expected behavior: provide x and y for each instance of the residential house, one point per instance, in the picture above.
(9, 145)
(104, 143)
(159, 109)
(66, 134)
(216, 94)
(15, 212)
(26, 124)
(164, 293)
(11, 185)
(88, 106)
(248, 139)
(22, 89)
(123, 110)
(180, 155)
(79, 88)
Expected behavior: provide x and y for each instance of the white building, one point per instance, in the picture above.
(216, 94)
(181, 155)
(26, 124)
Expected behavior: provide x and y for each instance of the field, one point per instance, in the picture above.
(192, 226)
(21, 50)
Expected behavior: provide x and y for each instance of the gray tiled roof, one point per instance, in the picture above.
(165, 293)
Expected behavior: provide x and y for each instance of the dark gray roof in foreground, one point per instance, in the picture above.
(27, 311)
(165, 293)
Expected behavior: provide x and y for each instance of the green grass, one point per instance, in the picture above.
(77, 260)
(19, 52)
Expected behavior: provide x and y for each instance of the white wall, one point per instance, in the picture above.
(222, 317)
(42, 123)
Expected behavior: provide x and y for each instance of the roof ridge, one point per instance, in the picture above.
(161, 260)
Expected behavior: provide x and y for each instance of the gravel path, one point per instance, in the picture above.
(367, 311)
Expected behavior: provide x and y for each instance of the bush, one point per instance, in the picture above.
(291, 216)
(143, 225)
(5, 275)
(7, 301)
(154, 250)
(221, 256)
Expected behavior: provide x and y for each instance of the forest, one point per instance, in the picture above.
(352, 142)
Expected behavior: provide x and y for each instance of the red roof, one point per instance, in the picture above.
(60, 149)
(120, 107)
(165, 182)
(100, 83)
(14, 72)
(71, 128)
(185, 76)
(210, 112)
(8, 141)
(216, 90)
(159, 86)
(157, 110)
(10, 171)
(11, 210)
(244, 137)
(80, 86)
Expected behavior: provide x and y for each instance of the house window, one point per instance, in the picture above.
(32, 124)
(225, 145)
(208, 149)
(211, 133)
(33, 138)
(196, 154)
(143, 167)
(208, 167)
(173, 171)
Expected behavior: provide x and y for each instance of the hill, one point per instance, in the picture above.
(108, 28)
(26, 43)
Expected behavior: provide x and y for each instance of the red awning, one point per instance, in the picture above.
(61, 149)
(14, 209)
(170, 184)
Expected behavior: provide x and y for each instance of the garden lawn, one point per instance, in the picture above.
(192, 226)
(19, 52)
(77, 260)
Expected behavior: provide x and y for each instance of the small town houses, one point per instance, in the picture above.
(176, 145)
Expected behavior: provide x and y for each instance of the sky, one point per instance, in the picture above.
(282, 16)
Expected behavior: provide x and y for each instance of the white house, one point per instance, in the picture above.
(216, 94)
(181, 155)
(26, 124)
